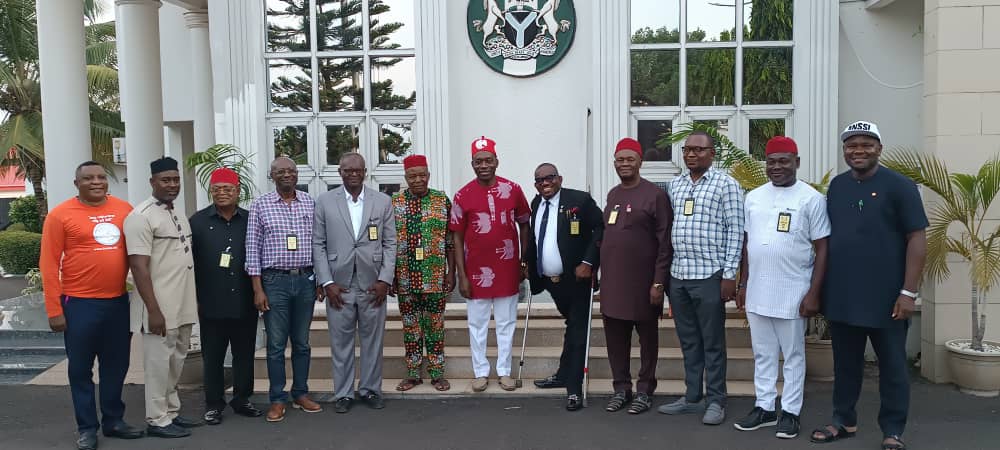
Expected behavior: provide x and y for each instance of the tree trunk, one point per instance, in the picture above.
(35, 175)
(977, 330)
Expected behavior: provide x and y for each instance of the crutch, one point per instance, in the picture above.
(586, 354)
(524, 340)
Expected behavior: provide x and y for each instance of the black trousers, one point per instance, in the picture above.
(216, 336)
(618, 333)
(849, 343)
(700, 320)
(572, 299)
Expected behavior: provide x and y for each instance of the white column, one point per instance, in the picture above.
(63, 76)
(141, 89)
(201, 89)
(815, 127)
(611, 91)
(432, 131)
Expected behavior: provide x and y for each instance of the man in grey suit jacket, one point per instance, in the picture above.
(354, 254)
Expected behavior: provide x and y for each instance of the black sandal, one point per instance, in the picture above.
(898, 445)
(640, 405)
(828, 435)
(618, 401)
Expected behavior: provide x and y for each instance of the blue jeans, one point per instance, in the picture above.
(97, 328)
(291, 299)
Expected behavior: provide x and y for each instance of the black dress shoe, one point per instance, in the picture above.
(374, 401)
(122, 430)
(550, 382)
(184, 422)
(87, 441)
(343, 405)
(213, 416)
(170, 431)
(248, 410)
(573, 402)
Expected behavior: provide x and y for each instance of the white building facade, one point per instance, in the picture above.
(395, 77)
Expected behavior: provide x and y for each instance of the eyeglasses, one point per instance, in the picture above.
(223, 189)
(694, 149)
(353, 171)
(546, 179)
(283, 172)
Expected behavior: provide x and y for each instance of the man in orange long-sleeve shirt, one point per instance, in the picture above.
(83, 265)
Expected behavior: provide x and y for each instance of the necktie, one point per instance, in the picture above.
(541, 235)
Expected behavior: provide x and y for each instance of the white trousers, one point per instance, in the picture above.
(163, 361)
(771, 338)
(505, 313)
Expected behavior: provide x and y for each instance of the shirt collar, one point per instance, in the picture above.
(707, 175)
(350, 198)
(214, 212)
(298, 196)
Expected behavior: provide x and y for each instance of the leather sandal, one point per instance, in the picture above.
(829, 436)
(408, 383)
(441, 384)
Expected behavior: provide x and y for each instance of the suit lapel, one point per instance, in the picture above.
(366, 213)
(340, 199)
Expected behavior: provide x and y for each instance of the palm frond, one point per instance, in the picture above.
(102, 53)
(925, 170)
(989, 182)
(24, 132)
(102, 79)
(223, 155)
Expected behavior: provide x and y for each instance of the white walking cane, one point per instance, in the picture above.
(586, 354)
(524, 340)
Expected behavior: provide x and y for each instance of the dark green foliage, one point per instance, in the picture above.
(19, 251)
(24, 211)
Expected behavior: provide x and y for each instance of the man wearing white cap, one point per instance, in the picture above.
(876, 256)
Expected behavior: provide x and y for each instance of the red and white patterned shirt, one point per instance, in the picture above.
(489, 218)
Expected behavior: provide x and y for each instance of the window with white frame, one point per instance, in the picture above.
(342, 78)
(689, 64)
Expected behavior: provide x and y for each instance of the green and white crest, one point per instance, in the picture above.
(521, 38)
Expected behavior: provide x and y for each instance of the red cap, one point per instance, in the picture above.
(414, 161)
(629, 144)
(781, 144)
(224, 175)
(484, 144)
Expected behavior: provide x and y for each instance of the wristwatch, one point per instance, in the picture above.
(907, 293)
(658, 286)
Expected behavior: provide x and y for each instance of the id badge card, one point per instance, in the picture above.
(574, 226)
(225, 258)
(291, 242)
(418, 253)
(784, 222)
(689, 206)
(372, 232)
(613, 217)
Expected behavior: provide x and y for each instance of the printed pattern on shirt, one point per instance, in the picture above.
(421, 223)
(271, 222)
(711, 238)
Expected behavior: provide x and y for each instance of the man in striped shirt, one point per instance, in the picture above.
(280, 265)
(781, 277)
(708, 238)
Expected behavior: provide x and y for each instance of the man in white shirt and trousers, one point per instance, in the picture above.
(781, 276)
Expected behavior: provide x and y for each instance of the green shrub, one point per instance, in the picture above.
(19, 251)
(24, 210)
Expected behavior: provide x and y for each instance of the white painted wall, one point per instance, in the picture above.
(533, 120)
(175, 64)
(890, 42)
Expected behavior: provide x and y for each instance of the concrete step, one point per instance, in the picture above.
(539, 362)
(321, 389)
(539, 310)
(546, 332)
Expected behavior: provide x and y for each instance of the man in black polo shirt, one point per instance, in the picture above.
(876, 258)
(225, 296)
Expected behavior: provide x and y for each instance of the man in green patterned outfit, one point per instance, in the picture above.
(425, 272)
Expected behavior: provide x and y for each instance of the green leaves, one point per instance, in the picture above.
(223, 155)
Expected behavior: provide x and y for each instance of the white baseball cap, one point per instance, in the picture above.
(860, 128)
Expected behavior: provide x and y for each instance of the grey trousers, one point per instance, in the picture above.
(356, 316)
(700, 319)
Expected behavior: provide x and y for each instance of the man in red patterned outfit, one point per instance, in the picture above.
(494, 213)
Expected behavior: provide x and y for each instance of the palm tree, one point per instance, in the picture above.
(961, 205)
(21, 140)
(228, 156)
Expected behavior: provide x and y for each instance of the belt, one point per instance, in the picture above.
(295, 271)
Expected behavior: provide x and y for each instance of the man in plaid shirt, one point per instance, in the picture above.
(708, 239)
(280, 265)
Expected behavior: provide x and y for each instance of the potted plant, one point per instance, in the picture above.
(961, 206)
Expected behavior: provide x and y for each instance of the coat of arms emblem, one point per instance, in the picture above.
(521, 38)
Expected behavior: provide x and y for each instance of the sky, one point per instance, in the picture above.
(710, 15)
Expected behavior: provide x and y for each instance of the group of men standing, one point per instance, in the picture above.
(783, 254)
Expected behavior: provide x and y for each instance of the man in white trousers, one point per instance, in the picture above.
(781, 276)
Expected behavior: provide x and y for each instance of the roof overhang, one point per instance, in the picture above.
(877, 4)
(192, 5)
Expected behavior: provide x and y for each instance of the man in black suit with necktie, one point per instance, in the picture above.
(564, 255)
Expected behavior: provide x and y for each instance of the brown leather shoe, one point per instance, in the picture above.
(307, 405)
(276, 413)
